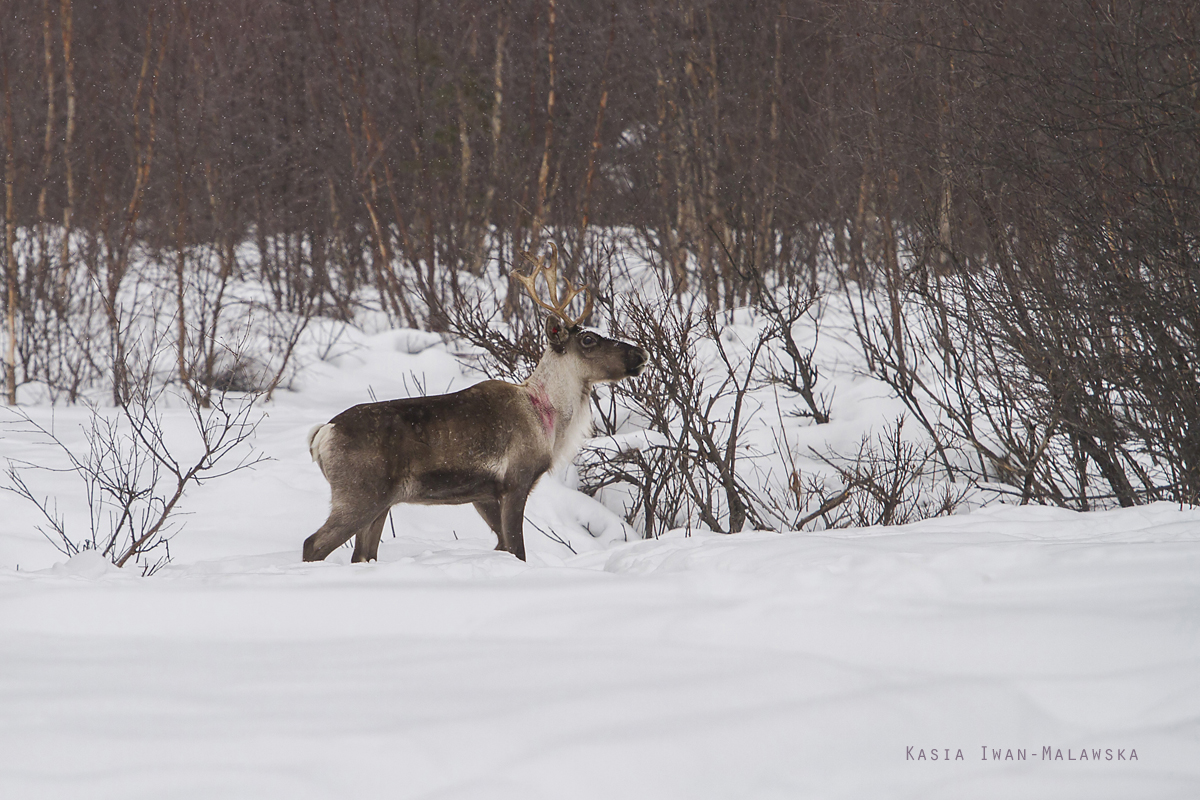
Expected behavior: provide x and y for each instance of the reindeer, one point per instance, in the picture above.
(485, 445)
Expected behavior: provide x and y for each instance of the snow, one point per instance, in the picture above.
(759, 665)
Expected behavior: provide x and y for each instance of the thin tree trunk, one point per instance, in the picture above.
(48, 140)
(767, 217)
(711, 178)
(945, 174)
(695, 198)
(668, 232)
(464, 161)
(67, 26)
(891, 257)
(180, 305)
(10, 234)
(425, 190)
(120, 252)
(594, 151)
(497, 119)
(858, 230)
(544, 172)
(43, 279)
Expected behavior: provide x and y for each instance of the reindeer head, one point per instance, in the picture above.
(600, 359)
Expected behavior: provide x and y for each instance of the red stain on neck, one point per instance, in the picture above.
(543, 407)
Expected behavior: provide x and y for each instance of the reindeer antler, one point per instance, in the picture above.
(551, 274)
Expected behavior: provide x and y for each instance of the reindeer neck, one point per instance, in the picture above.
(559, 396)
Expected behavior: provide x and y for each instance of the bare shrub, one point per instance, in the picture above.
(133, 477)
(684, 468)
(1046, 322)
(504, 346)
(1048, 391)
(888, 481)
(683, 455)
(792, 364)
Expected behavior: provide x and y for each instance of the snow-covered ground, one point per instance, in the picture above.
(1058, 653)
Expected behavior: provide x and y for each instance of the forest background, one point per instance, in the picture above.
(1012, 186)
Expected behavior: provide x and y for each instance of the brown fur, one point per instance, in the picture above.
(485, 445)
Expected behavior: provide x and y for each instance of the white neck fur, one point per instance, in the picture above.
(558, 379)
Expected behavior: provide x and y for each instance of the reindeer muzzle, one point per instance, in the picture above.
(635, 361)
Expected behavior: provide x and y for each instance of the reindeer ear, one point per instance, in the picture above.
(557, 333)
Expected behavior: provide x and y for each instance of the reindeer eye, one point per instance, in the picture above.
(588, 340)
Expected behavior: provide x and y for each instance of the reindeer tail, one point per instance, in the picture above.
(316, 438)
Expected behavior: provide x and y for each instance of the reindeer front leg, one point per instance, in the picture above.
(512, 520)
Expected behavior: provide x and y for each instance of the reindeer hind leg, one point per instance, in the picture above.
(343, 523)
(366, 541)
